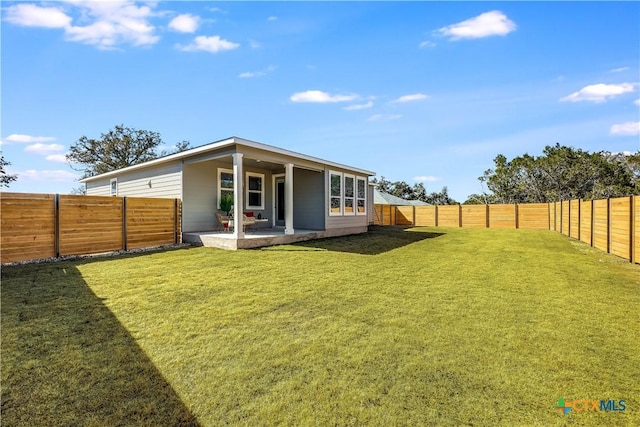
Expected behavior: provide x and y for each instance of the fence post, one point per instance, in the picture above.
(569, 219)
(561, 216)
(609, 225)
(486, 216)
(593, 222)
(175, 221)
(579, 217)
(124, 223)
(413, 221)
(56, 224)
(436, 215)
(632, 228)
(515, 212)
(549, 214)
(460, 216)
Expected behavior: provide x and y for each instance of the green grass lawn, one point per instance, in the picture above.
(428, 326)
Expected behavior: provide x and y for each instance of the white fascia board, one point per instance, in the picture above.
(221, 144)
(169, 158)
(289, 153)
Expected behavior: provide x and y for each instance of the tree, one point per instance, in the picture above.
(178, 148)
(440, 198)
(118, 148)
(561, 173)
(5, 178)
(417, 192)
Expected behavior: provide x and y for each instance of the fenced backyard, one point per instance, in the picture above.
(421, 326)
(611, 225)
(38, 226)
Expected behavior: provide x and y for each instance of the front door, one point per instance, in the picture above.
(279, 207)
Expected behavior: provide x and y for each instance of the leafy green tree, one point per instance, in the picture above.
(417, 192)
(561, 173)
(118, 148)
(179, 147)
(5, 178)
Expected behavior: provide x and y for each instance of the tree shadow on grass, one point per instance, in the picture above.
(377, 240)
(67, 360)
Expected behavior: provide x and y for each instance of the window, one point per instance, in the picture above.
(335, 194)
(114, 186)
(361, 196)
(225, 184)
(255, 191)
(349, 194)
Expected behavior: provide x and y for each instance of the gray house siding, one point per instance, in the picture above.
(200, 194)
(163, 181)
(308, 200)
(199, 197)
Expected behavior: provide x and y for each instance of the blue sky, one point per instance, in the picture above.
(416, 91)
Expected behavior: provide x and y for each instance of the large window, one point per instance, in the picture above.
(255, 191)
(361, 196)
(225, 184)
(335, 195)
(349, 194)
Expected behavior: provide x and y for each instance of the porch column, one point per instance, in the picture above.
(238, 202)
(288, 198)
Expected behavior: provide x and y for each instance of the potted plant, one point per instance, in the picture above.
(226, 203)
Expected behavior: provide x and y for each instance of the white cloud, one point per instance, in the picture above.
(106, 24)
(272, 18)
(359, 106)
(411, 98)
(29, 139)
(250, 74)
(31, 15)
(494, 23)
(384, 117)
(626, 129)
(637, 102)
(426, 43)
(43, 149)
(48, 175)
(185, 23)
(618, 70)
(57, 158)
(599, 92)
(212, 44)
(318, 96)
(426, 178)
(254, 44)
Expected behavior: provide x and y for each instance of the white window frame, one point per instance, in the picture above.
(344, 194)
(113, 189)
(361, 179)
(248, 190)
(220, 172)
(331, 196)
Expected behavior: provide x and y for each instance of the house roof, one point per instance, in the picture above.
(223, 144)
(382, 198)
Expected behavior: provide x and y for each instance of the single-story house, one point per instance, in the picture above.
(292, 194)
(383, 198)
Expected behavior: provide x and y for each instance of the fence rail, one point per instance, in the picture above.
(36, 226)
(611, 225)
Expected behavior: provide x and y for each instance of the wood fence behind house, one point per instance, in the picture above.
(611, 225)
(36, 226)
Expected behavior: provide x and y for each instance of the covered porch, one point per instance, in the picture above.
(258, 238)
(281, 194)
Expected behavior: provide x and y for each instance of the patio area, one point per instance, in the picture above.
(253, 238)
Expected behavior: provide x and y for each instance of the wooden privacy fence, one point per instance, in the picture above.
(36, 226)
(612, 225)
